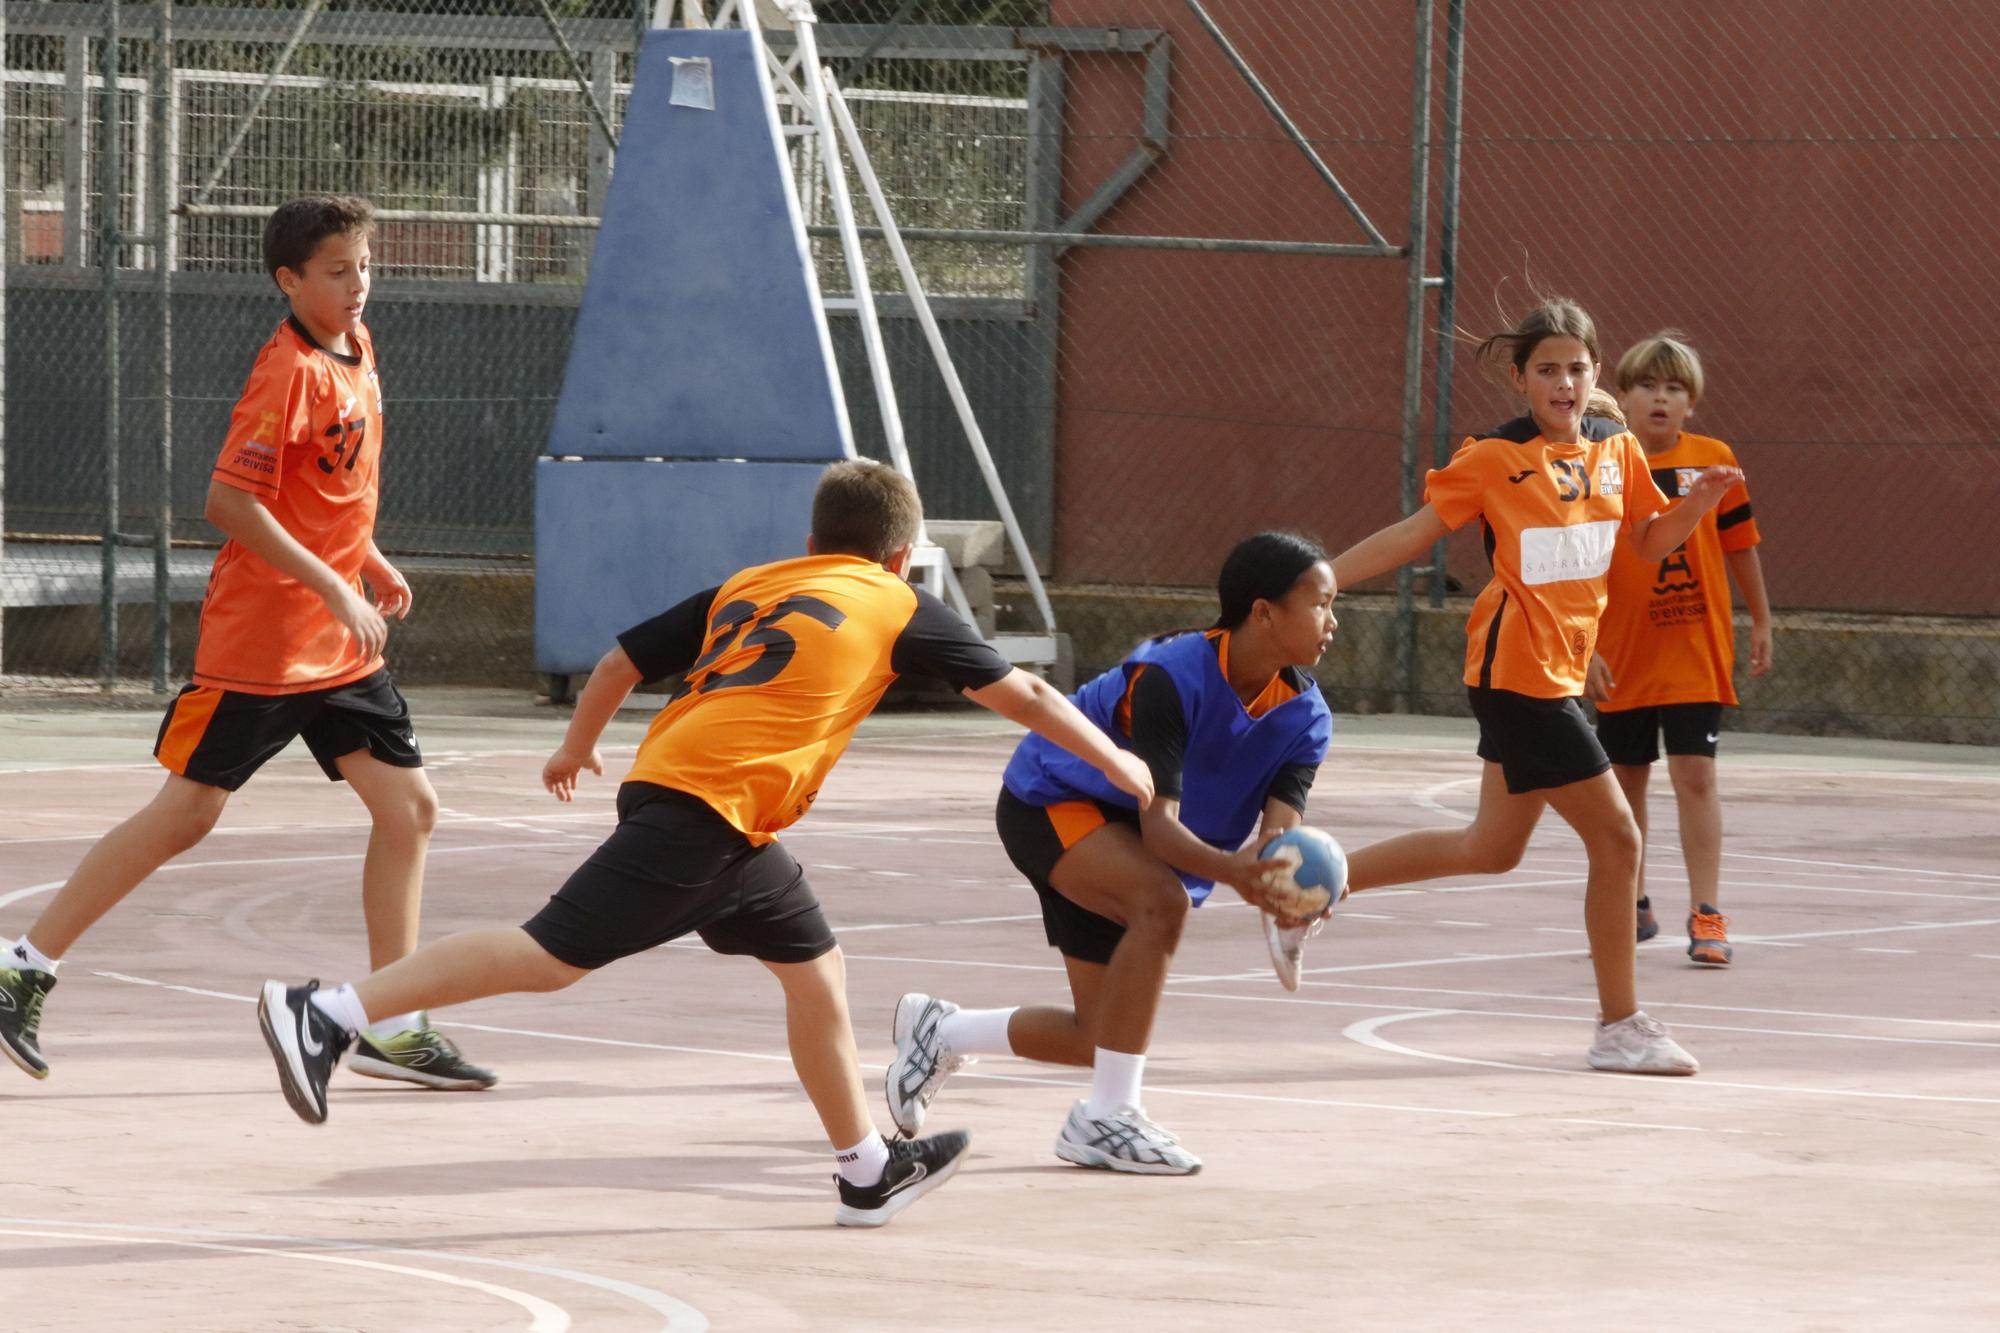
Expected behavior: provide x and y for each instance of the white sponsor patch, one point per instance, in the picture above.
(1557, 555)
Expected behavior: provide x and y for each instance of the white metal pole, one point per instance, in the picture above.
(915, 291)
(850, 242)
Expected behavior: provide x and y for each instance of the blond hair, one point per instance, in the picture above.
(1602, 404)
(864, 508)
(1664, 356)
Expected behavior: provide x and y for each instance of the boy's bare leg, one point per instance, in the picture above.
(468, 966)
(403, 810)
(1632, 781)
(177, 818)
(1491, 845)
(1700, 804)
(822, 1042)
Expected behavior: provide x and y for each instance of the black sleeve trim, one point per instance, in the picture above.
(1292, 785)
(1730, 518)
(667, 645)
(938, 643)
(1159, 730)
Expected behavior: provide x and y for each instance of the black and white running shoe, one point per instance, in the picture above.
(305, 1043)
(916, 1167)
(1123, 1141)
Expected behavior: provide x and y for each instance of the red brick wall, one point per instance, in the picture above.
(1802, 187)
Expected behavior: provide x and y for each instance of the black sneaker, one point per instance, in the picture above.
(421, 1055)
(916, 1167)
(1649, 925)
(22, 991)
(304, 1042)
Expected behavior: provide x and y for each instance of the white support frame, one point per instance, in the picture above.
(821, 115)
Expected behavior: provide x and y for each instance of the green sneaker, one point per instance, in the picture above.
(420, 1055)
(22, 991)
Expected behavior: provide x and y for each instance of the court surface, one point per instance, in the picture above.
(1411, 1142)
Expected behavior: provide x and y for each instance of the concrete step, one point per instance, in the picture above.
(970, 542)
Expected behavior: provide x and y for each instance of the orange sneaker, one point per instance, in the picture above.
(1708, 936)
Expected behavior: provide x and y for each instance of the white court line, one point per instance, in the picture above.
(1754, 886)
(998, 1078)
(1650, 1005)
(1468, 1112)
(546, 1316)
(1367, 1032)
(1853, 865)
(605, 816)
(681, 1317)
(1587, 1018)
(1428, 798)
(954, 921)
(168, 985)
(1774, 940)
(18, 894)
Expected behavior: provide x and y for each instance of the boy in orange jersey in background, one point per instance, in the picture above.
(290, 645)
(1667, 644)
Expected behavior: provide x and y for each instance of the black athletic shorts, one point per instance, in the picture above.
(220, 737)
(1538, 743)
(674, 866)
(1632, 736)
(1036, 836)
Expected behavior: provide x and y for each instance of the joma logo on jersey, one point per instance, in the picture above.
(1610, 477)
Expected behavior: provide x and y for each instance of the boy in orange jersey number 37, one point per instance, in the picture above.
(290, 645)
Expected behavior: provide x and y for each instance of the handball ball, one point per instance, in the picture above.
(1317, 870)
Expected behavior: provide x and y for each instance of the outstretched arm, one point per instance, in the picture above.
(1392, 547)
(1656, 535)
(1020, 696)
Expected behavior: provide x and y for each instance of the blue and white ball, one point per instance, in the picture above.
(1316, 871)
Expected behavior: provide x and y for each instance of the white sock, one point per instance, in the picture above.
(390, 1027)
(864, 1163)
(977, 1032)
(27, 955)
(343, 1006)
(1114, 1082)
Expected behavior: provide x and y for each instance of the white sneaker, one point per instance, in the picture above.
(1288, 947)
(1124, 1141)
(1639, 1045)
(922, 1062)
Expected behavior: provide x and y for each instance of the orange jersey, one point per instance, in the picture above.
(1668, 635)
(306, 440)
(1552, 514)
(792, 656)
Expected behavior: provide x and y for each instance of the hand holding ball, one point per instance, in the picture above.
(1310, 875)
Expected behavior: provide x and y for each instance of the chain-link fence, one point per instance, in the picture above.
(1170, 244)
